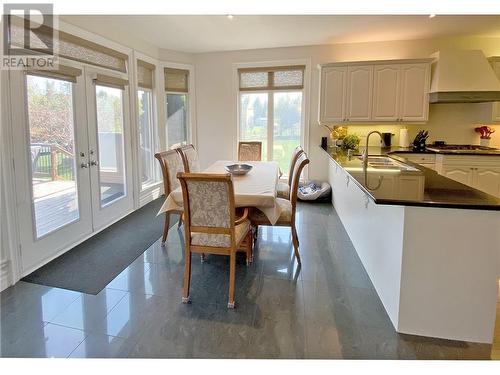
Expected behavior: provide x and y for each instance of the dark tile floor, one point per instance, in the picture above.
(325, 309)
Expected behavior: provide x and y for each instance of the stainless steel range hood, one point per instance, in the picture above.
(463, 76)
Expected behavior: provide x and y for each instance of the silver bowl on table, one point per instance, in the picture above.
(238, 169)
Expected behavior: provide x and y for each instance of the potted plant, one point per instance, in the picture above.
(350, 142)
(485, 132)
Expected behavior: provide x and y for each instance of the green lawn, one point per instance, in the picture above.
(282, 152)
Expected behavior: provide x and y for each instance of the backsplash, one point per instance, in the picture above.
(453, 123)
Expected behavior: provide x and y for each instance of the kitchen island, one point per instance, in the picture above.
(430, 245)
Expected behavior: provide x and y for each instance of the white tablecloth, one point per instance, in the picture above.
(255, 189)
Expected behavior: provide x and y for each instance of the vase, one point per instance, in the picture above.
(485, 142)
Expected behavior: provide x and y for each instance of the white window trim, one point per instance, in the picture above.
(191, 126)
(151, 191)
(304, 136)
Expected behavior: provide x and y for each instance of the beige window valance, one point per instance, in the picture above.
(65, 73)
(145, 74)
(69, 46)
(271, 78)
(104, 80)
(176, 80)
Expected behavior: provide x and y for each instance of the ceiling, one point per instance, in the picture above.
(198, 34)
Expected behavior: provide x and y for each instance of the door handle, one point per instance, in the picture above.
(94, 163)
(84, 165)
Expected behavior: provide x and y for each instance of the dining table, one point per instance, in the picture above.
(257, 188)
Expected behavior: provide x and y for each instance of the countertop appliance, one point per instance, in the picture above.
(463, 149)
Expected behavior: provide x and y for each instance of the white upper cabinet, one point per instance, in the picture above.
(394, 91)
(333, 94)
(495, 63)
(386, 95)
(359, 93)
(415, 81)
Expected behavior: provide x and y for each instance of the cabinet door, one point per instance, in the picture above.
(386, 92)
(414, 92)
(460, 174)
(359, 93)
(333, 94)
(487, 179)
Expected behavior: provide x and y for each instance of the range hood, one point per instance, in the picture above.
(463, 76)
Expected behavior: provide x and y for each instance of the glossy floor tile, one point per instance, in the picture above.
(327, 308)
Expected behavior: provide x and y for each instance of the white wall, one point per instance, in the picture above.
(216, 107)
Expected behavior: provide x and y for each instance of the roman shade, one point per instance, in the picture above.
(65, 73)
(104, 80)
(271, 78)
(68, 46)
(176, 80)
(145, 74)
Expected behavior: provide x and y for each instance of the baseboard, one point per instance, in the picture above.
(5, 275)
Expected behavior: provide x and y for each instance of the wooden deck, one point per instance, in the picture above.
(56, 204)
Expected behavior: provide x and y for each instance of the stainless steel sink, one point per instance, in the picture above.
(385, 162)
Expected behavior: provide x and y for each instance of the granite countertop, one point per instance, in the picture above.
(422, 186)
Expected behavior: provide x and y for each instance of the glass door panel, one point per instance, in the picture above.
(52, 151)
(109, 109)
(253, 119)
(287, 125)
(177, 120)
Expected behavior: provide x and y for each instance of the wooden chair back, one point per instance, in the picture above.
(190, 158)
(209, 208)
(295, 154)
(170, 163)
(249, 151)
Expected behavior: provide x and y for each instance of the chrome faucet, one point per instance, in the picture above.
(365, 152)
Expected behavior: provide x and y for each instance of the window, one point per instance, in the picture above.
(145, 74)
(176, 87)
(270, 103)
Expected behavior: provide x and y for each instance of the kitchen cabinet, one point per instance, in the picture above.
(495, 64)
(487, 179)
(374, 91)
(415, 82)
(427, 160)
(359, 93)
(386, 92)
(460, 174)
(479, 172)
(333, 94)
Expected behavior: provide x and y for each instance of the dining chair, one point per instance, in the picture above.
(190, 158)
(287, 206)
(249, 151)
(283, 188)
(170, 164)
(210, 223)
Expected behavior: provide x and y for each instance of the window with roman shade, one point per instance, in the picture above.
(70, 46)
(145, 74)
(271, 78)
(109, 81)
(176, 80)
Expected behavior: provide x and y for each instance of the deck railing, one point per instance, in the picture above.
(52, 161)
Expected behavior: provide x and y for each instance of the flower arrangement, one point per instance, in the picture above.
(485, 131)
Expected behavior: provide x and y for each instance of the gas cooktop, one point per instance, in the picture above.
(463, 149)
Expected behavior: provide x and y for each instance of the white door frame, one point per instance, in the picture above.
(103, 216)
(36, 251)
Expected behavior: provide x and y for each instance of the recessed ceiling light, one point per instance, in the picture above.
(230, 16)
(432, 15)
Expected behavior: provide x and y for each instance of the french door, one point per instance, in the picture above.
(72, 159)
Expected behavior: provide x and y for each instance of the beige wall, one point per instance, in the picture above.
(216, 106)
